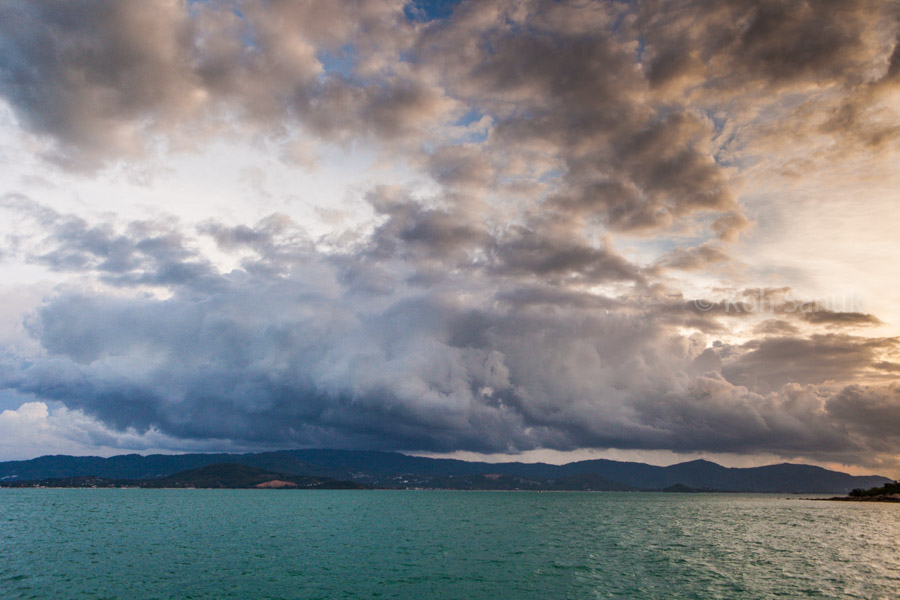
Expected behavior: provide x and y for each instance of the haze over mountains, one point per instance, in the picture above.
(395, 470)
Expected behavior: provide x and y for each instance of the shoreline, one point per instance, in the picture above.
(888, 499)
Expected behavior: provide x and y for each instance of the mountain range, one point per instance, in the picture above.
(401, 471)
(216, 476)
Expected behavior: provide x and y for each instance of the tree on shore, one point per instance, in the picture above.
(887, 489)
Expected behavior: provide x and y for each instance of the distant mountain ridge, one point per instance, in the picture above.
(396, 470)
(215, 476)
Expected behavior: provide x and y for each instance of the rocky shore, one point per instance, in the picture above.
(879, 498)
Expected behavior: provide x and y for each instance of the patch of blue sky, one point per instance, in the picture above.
(341, 61)
(472, 116)
(718, 120)
(423, 11)
(470, 129)
(408, 56)
(473, 137)
(550, 175)
(248, 34)
(473, 127)
(12, 399)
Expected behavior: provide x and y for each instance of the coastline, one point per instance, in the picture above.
(888, 498)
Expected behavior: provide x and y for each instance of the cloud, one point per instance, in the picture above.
(85, 74)
(569, 161)
(522, 252)
(773, 362)
(36, 428)
(779, 327)
(840, 319)
(691, 259)
(731, 44)
(871, 412)
(298, 347)
(272, 365)
(555, 92)
(104, 80)
(148, 253)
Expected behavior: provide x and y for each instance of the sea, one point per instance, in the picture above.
(249, 544)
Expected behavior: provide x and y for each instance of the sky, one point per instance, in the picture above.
(530, 230)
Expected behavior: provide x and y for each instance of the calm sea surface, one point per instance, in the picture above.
(388, 544)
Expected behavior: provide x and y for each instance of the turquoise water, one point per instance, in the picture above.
(404, 544)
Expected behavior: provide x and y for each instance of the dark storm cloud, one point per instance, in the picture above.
(691, 259)
(555, 91)
(778, 327)
(461, 166)
(83, 73)
(787, 73)
(522, 251)
(770, 363)
(737, 420)
(729, 44)
(154, 253)
(555, 298)
(582, 83)
(840, 319)
(451, 238)
(290, 361)
(315, 372)
(274, 358)
(872, 411)
(419, 232)
(103, 78)
(560, 80)
(674, 176)
(859, 117)
(293, 355)
(778, 302)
